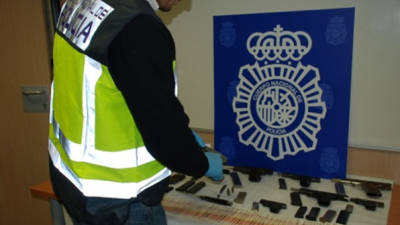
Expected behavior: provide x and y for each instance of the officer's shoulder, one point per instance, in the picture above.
(145, 22)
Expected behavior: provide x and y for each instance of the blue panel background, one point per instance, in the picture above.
(331, 31)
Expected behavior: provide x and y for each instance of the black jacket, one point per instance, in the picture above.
(140, 62)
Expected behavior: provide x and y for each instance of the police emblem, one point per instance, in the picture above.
(336, 31)
(278, 102)
(227, 35)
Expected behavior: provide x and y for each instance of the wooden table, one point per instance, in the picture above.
(394, 212)
(45, 191)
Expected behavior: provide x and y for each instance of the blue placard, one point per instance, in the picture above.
(282, 90)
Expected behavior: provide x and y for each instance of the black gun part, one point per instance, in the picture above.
(240, 197)
(222, 189)
(215, 200)
(368, 204)
(195, 188)
(226, 171)
(313, 214)
(274, 207)
(349, 208)
(305, 181)
(255, 206)
(328, 216)
(295, 199)
(323, 198)
(339, 187)
(186, 185)
(371, 188)
(254, 177)
(248, 170)
(236, 180)
(300, 212)
(254, 173)
(282, 184)
(344, 215)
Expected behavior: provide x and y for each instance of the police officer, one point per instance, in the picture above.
(117, 129)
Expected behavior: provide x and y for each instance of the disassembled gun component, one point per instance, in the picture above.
(195, 188)
(368, 204)
(222, 189)
(371, 188)
(328, 216)
(295, 199)
(344, 215)
(340, 188)
(236, 180)
(255, 206)
(282, 184)
(186, 185)
(254, 173)
(274, 207)
(349, 208)
(323, 198)
(300, 212)
(240, 197)
(215, 200)
(313, 214)
(305, 181)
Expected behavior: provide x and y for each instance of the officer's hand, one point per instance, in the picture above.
(199, 140)
(205, 148)
(215, 166)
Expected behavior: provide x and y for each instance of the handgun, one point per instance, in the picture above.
(273, 206)
(305, 181)
(253, 172)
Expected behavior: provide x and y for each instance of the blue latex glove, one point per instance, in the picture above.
(215, 166)
(198, 139)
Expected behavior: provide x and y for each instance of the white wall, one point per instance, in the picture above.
(375, 108)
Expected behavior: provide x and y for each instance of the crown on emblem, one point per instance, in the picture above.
(279, 45)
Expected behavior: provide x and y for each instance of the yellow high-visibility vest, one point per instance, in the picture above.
(93, 139)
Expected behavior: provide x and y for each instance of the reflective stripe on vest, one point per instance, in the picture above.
(100, 188)
(96, 146)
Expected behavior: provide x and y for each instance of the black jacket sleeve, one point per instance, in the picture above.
(141, 59)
